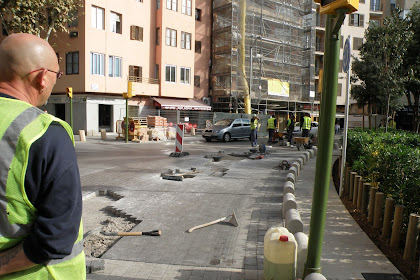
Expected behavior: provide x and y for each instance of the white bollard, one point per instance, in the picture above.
(297, 165)
(311, 153)
(303, 159)
(289, 202)
(82, 136)
(315, 276)
(300, 161)
(290, 178)
(293, 221)
(302, 251)
(315, 149)
(289, 187)
(103, 134)
(307, 156)
(293, 170)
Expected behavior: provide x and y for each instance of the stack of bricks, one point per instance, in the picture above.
(157, 121)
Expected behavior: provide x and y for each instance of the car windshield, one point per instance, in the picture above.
(224, 122)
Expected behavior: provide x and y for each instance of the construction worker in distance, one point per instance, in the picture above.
(306, 126)
(271, 126)
(254, 129)
(290, 129)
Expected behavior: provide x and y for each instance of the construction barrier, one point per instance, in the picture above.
(179, 138)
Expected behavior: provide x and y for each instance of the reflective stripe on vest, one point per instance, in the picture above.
(289, 121)
(306, 123)
(19, 128)
(270, 123)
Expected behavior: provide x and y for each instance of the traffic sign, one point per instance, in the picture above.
(346, 56)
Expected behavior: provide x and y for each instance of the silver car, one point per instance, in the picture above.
(226, 130)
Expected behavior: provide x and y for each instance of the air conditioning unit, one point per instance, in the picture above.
(207, 101)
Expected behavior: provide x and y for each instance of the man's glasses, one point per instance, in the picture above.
(59, 74)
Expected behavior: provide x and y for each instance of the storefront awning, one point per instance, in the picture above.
(180, 104)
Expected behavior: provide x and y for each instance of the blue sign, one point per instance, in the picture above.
(346, 56)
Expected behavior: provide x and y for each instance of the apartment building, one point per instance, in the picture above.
(151, 44)
(354, 27)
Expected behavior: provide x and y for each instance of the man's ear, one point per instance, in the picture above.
(40, 79)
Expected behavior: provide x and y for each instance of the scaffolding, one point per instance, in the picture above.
(279, 46)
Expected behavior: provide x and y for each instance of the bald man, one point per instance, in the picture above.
(41, 234)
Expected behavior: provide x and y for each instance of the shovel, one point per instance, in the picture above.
(232, 221)
(151, 233)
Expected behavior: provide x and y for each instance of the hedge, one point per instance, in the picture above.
(390, 159)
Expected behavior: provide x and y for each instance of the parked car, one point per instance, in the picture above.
(226, 130)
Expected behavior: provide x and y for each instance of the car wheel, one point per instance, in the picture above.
(226, 137)
(208, 139)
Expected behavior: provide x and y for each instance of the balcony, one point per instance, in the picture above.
(376, 8)
(319, 47)
(144, 86)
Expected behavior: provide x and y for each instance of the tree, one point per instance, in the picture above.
(380, 65)
(39, 17)
(412, 66)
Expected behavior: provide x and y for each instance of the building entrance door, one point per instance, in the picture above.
(105, 117)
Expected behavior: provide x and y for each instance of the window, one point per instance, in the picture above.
(97, 64)
(171, 5)
(185, 75)
(136, 33)
(198, 46)
(72, 63)
(357, 43)
(185, 40)
(186, 7)
(356, 20)
(75, 22)
(115, 23)
(196, 81)
(339, 86)
(170, 74)
(157, 36)
(134, 71)
(361, 1)
(115, 66)
(170, 37)
(198, 14)
(157, 4)
(98, 17)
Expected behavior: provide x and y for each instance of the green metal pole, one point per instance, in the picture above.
(325, 146)
(71, 113)
(126, 120)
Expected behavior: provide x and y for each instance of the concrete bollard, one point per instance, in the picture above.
(303, 158)
(397, 226)
(315, 149)
(389, 209)
(289, 202)
(290, 178)
(297, 165)
(411, 239)
(82, 136)
(293, 221)
(103, 134)
(351, 189)
(371, 209)
(315, 276)
(289, 187)
(311, 153)
(294, 171)
(302, 252)
(379, 210)
(300, 161)
(357, 179)
(192, 131)
(365, 198)
(307, 156)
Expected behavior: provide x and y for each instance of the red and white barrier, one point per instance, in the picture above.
(179, 138)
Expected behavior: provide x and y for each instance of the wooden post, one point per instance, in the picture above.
(359, 195)
(346, 180)
(356, 189)
(365, 198)
(411, 239)
(397, 226)
(389, 209)
(379, 210)
(351, 185)
(371, 206)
